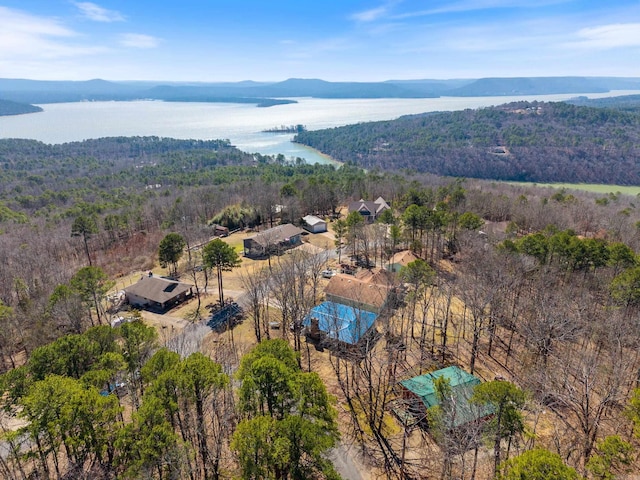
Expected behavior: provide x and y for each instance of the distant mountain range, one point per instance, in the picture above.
(274, 93)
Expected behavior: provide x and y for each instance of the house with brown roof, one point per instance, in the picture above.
(369, 209)
(275, 239)
(401, 259)
(378, 276)
(357, 293)
(157, 293)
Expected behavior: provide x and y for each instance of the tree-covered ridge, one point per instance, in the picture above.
(103, 175)
(629, 103)
(8, 107)
(521, 141)
(111, 172)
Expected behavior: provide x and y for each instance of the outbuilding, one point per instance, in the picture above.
(314, 224)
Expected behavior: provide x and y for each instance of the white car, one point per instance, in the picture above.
(328, 273)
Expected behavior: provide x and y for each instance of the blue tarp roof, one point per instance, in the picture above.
(341, 322)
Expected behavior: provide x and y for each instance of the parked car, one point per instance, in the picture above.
(362, 262)
(328, 273)
(348, 269)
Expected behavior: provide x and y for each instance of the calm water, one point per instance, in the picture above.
(241, 124)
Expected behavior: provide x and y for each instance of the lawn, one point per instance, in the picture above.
(587, 187)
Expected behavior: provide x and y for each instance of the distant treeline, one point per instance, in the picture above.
(629, 103)
(521, 141)
(265, 94)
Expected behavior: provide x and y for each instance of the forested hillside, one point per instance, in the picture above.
(108, 173)
(629, 103)
(8, 107)
(523, 141)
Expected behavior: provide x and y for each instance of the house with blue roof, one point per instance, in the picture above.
(342, 323)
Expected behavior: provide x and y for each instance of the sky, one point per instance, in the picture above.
(335, 40)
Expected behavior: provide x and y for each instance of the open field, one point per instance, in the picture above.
(587, 187)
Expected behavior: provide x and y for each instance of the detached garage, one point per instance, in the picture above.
(314, 224)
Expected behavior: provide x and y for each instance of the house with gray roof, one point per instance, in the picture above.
(157, 293)
(279, 238)
(369, 209)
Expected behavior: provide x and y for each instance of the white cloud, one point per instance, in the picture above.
(29, 37)
(373, 14)
(99, 14)
(476, 5)
(609, 36)
(370, 15)
(138, 40)
(18, 22)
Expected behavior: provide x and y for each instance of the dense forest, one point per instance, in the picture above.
(523, 141)
(533, 290)
(629, 103)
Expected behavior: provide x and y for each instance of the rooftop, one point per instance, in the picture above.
(462, 386)
(312, 220)
(403, 258)
(275, 235)
(373, 207)
(158, 289)
(376, 276)
(341, 322)
(356, 290)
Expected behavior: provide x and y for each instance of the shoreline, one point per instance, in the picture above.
(330, 159)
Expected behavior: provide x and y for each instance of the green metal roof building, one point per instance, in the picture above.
(462, 385)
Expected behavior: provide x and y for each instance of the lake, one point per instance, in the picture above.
(242, 124)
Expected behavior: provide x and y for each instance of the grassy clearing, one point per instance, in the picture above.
(587, 187)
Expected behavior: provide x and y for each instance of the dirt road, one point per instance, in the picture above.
(344, 461)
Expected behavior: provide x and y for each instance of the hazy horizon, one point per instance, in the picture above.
(353, 41)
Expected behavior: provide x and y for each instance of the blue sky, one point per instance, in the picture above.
(342, 40)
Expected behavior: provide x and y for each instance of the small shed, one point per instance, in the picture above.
(314, 224)
(157, 293)
(220, 231)
(420, 395)
(339, 322)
